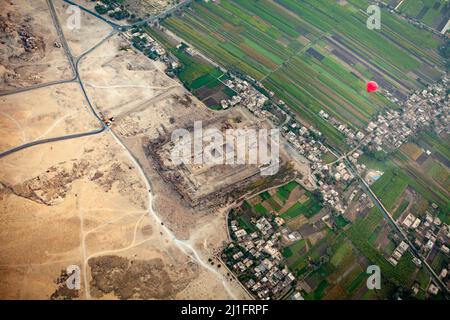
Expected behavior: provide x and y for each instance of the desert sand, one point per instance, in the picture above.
(96, 202)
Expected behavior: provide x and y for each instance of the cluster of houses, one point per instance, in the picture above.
(353, 137)
(255, 258)
(113, 8)
(387, 132)
(427, 231)
(246, 95)
(305, 141)
(330, 177)
(426, 108)
(332, 198)
(429, 236)
(143, 42)
(257, 261)
(398, 253)
(327, 176)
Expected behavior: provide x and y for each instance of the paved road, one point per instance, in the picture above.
(180, 243)
(74, 64)
(387, 214)
(111, 23)
(125, 27)
(61, 36)
(161, 15)
(36, 86)
(49, 140)
(366, 187)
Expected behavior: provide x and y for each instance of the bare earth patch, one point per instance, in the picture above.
(30, 52)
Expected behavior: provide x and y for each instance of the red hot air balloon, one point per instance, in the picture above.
(372, 86)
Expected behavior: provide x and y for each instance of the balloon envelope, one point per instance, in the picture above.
(372, 86)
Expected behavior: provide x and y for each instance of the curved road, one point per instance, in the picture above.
(184, 246)
(75, 63)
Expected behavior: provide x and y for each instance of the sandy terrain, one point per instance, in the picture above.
(145, 102)
(90, 5)
(146, 8)
(135, 91)
(44, 113)
(47, 205)
(86, 202)
(90, 32)
(142, 8)
(28, 54)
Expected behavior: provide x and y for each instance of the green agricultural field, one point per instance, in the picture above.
(333, 268)
(427, 11)
(265, 196)
(271, 40)
(400, 209)
(209, 79)
(356, 283)
(245, 223)
(359, 234)
(320, 290)
(398, 175)
(259, 208)
(431, 141)
(340, 221)
(329, 157)
(284, 191)
(275, 206)
(283, 194)
(293, 250)
(309, 209)
(390, 186)
(194, 73)
(197, 75)
(343, 251)
(439, 172)
(421, 182)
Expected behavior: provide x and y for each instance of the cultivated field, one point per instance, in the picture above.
(427, 176)
(434, 13)
(314, 55)
(327, 254)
